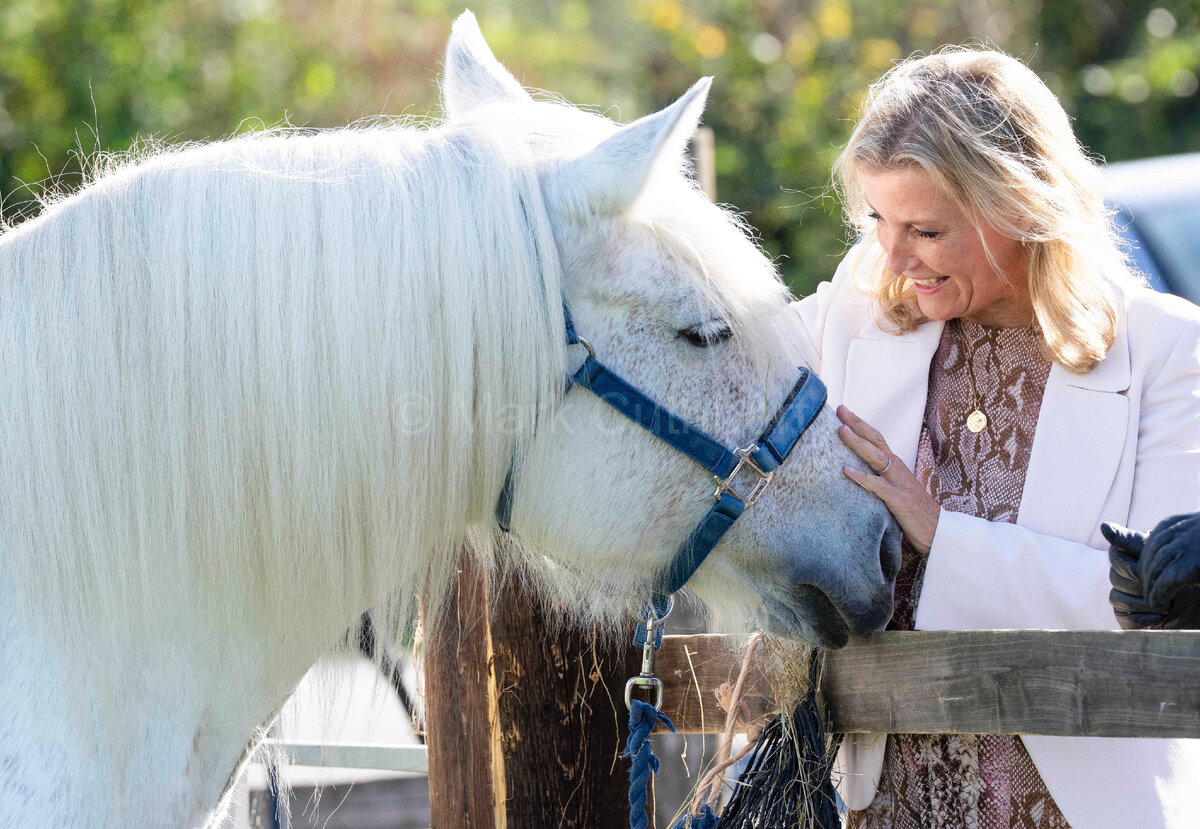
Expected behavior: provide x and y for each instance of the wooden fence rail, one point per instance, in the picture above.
(1063, 683)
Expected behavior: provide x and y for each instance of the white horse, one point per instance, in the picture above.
(251, 388)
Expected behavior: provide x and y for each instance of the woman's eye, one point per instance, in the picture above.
(706, 333)
(873, 216)
(926, 234)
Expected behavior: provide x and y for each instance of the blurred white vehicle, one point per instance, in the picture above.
(1158, 210)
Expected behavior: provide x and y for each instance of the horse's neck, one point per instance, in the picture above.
(144, 738)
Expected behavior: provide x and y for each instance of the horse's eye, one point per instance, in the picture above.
(706, 333)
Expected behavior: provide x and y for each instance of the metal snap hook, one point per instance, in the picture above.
(644, 682)
(647, 679)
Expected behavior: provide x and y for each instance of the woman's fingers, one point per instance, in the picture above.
(907, 500)
(864, 440)
(872, 483)
(861, 428)
(914, 509)
(875, 457)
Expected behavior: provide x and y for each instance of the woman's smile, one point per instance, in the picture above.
(928, 286)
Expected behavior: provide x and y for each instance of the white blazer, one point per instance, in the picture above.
(1121, 443)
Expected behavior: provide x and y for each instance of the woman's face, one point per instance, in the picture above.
(930, 241)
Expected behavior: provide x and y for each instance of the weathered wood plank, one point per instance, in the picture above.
(691, 669)
(1077, 683)
(1066, 683)
(561, 717)
(459, 688)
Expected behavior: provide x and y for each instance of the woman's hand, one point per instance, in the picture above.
(910, 503)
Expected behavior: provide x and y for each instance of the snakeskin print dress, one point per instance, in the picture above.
(968, 781)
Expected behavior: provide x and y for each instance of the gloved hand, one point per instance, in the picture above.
(1156, 575)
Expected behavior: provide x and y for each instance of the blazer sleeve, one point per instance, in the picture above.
(988, 575)
(1167, 476)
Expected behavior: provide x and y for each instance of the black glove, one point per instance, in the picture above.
(1156, 576)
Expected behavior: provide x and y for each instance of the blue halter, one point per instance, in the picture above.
(760, 459)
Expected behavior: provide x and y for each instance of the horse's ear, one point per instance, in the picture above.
(608, 179)
(473, 75)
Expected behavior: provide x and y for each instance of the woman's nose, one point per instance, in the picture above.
(900, 258)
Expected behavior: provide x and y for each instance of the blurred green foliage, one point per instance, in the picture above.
(78, 76)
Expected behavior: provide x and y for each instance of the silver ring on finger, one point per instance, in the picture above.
(886, 467)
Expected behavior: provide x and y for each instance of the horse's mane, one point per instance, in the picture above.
(275, 374)
(282, 375)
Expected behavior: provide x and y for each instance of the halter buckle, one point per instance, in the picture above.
(745, 461)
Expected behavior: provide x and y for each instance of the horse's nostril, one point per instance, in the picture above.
(889, 553)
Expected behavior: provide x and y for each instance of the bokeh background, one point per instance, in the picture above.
(78, 76)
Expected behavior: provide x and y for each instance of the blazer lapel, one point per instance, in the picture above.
(887, 379)
(1080, 437)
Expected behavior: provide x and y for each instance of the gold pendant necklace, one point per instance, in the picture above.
(976, 421)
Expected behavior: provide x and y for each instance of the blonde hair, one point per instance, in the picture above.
(994, 138)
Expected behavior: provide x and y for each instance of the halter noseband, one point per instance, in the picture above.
(761, 458)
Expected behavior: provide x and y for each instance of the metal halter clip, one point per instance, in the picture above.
(745, 461)
(647, 679)
(581, 341)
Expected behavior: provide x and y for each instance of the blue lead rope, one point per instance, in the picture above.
(707, 819)
(643, 718)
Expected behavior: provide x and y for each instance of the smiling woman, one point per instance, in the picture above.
(1012, 384)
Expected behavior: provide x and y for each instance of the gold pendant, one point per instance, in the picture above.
(976, 421)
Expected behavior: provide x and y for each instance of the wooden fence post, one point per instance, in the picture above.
(524, 718)
(562, 718)
(459, 696)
